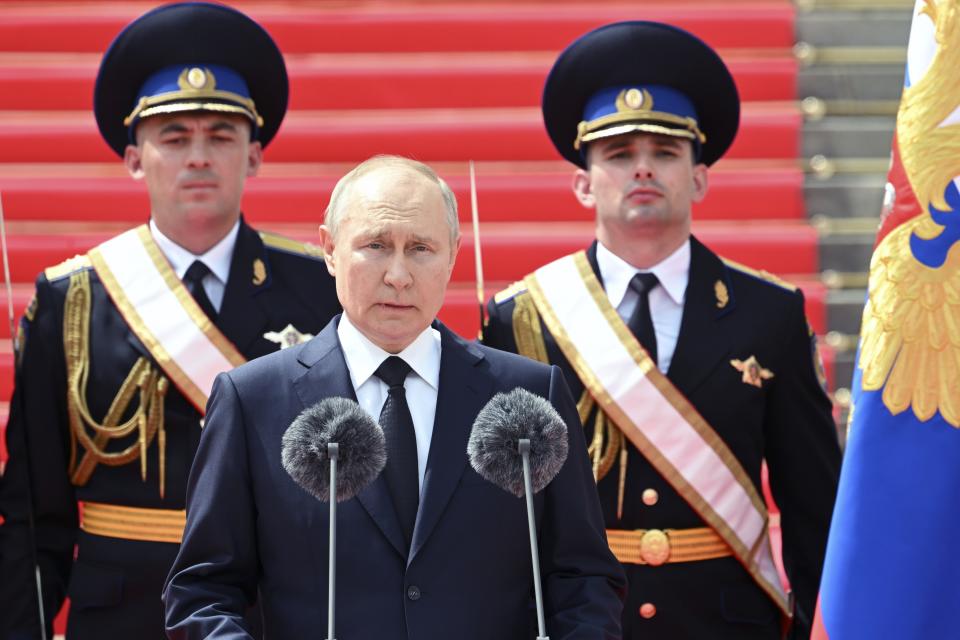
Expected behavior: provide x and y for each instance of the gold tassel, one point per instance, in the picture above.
(623, 474)
(158, 417)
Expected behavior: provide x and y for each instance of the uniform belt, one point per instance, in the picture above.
(659, 546)
(133, 523)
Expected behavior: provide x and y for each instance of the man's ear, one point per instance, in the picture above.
(583, 188)
(254, 158)
(132, 161)
(326, 241)
(700, 182)
(454, 250)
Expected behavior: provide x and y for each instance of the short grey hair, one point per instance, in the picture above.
(335, 210)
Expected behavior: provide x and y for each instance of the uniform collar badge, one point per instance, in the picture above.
(753, 373)
(259, 272)
(287, 337)
(723, 296)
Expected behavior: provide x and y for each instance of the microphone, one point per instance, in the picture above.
(519, 443)
(362, 448)
(497, 430)
(331, 431)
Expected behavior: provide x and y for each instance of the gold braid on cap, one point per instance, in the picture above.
(635, 113)
(196, 87)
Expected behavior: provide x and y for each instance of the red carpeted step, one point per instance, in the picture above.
(375, 81)
(768, 130)
(409, 27)
(503, 196)
(510, 250)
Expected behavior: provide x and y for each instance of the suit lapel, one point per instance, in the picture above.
(325, 375)
(463, 392)
(242, 318)
(701, 343)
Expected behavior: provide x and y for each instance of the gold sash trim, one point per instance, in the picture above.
(133, 523)
(633, 427)
(199, 320)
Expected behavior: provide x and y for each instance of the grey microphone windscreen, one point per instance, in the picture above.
(362, 450)
(506, 419)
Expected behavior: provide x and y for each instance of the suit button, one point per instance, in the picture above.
(647, 610)
(413, 592)
(650, 497)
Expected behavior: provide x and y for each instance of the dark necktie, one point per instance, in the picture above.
(193, 280)
(641, 323)
(401, 471)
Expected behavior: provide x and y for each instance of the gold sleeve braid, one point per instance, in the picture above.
(608, 441)
(143, 380)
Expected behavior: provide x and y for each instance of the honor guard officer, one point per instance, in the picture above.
(690, 370)
(119, 348)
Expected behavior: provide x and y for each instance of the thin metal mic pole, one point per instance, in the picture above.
(524, 447)
(333, 451)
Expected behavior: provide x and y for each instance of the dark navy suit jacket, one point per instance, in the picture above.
(468, 575)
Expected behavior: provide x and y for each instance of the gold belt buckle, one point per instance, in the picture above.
(655, 547)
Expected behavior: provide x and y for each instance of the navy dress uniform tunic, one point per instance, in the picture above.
(114, 584)
(787, 422)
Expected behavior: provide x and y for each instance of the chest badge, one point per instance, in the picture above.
(753, 372)
(287, 337)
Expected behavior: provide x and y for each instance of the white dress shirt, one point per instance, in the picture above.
(666, 299)
(217, 260)
(423, 355)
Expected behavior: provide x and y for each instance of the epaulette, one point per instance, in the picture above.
(287, 245)
(516, 288)
(67, 267)
(766, 276)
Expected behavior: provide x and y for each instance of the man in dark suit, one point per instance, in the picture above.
(119, 349)
(690, 370)
(429, 549)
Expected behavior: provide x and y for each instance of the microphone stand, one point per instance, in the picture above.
(524, 447)
(333, 452)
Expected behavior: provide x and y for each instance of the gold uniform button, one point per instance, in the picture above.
(650, 497)
(647, 610)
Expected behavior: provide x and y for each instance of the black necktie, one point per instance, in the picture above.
(193, 280)
(641, 323)
(401, 471)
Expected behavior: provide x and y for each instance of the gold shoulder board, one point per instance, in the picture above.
(67, 267)
(766, 276)
(288, 245)
(511, 291)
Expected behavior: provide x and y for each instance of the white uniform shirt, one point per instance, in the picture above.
(217, 260)
(666, 299)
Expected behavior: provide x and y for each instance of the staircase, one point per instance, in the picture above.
(852, 55)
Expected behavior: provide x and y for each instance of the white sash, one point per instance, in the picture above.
(162, 313)
(653, 414)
